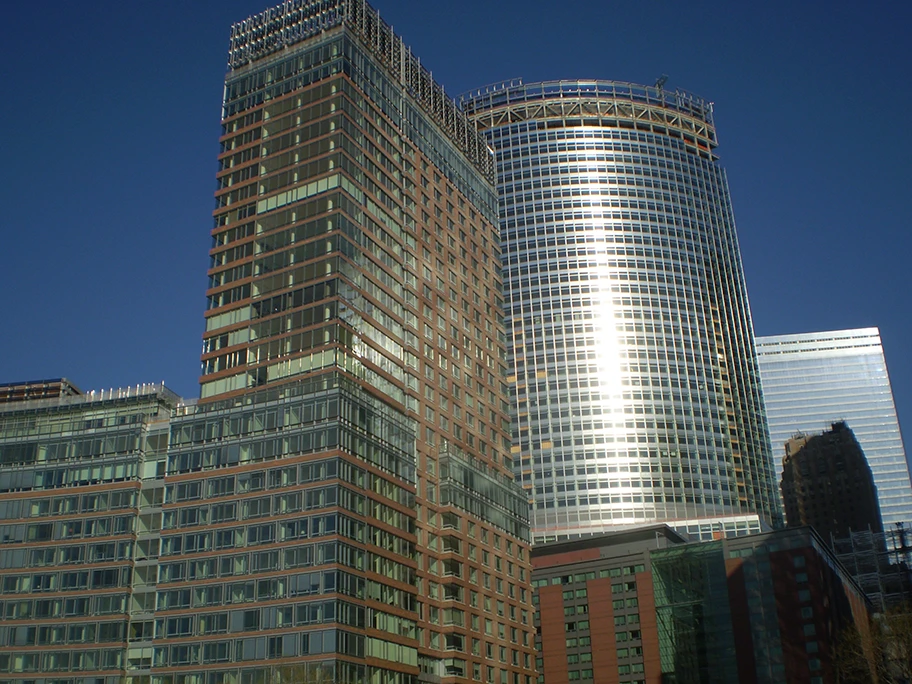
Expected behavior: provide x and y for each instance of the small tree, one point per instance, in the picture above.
(856, 657)
(896, 637)
(881, 654)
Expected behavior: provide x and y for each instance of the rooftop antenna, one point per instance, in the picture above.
(661, 81)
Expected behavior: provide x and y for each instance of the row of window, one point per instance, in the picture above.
(283, 504)
(55, 478)
(46, 556)
(13, 509)
(286, 476)
(65, 423)
(270, 560)
(104, 578)
(79, 633)
(281, 646)
(67, 529)
(586, 576)
(42, 609)
(298, 585)
(62, 661)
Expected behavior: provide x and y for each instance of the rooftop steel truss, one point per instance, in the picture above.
(296, 20)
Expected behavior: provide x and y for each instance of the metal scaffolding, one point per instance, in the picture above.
(879, 562)
(296, 20)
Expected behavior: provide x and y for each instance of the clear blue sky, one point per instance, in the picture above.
(111, 125)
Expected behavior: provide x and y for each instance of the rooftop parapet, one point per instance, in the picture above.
(29, 390)
(144, 390)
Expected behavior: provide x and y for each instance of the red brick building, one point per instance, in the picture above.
(646, 606)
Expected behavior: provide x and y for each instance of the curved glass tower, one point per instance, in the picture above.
(636, 390)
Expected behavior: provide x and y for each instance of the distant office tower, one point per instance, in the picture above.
(637, 395)
(811, 380)
(827, 484)
(354, 327)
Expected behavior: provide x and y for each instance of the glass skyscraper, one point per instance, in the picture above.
(636, 390)
(811, 380)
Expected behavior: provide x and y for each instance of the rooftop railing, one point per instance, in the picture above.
(511, 92)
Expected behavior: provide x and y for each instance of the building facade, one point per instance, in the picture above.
(636, 390)
(355, 295)
(80, 512)
(596, 607)
(811, 380)
(115, 562)
(827, 484)
(339, 506)
(645, 605)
